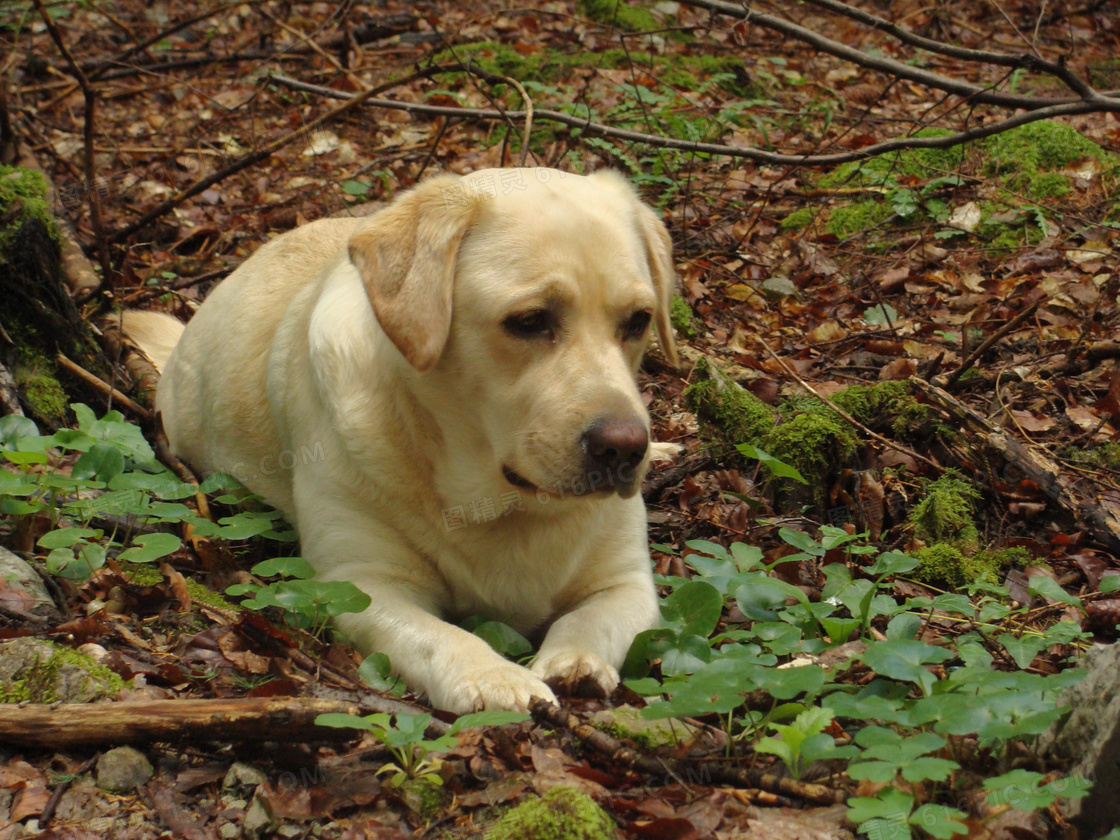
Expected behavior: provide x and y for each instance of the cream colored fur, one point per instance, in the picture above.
(361, 375)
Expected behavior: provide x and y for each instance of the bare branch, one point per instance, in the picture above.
(1069, 108)
(974, 93)
(1000, 59)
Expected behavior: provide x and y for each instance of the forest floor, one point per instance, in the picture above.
(792, 278)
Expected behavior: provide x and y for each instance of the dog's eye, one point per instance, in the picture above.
(635, 326)
(539, 323)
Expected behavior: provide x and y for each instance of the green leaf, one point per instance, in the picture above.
(15, 426)
(892, 563)
(802, 541)
(687, 655)
(1023, 649)
(101, 461)
(152, 547)
(503, 639)
(883, 313)
(355, 188)
(903, 659)
(694, 608)
(891, 805)
(777, 468)
(1110, 582)
(338, 720)
(1050, 589)
(67, 537)
(289, 567)
(940, 821)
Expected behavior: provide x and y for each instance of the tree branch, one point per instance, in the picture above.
(598, 130)
(973, 93)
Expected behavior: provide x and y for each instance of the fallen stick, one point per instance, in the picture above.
(721, 773)
(288, 719)
(1102, 523)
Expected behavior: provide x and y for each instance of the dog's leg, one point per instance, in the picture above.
(457, 670)
(589, 643)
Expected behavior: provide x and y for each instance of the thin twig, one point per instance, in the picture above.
(104, 388)
(948, 380)
(528, 130)
(599, 130)
(905, 450)
(974, 93)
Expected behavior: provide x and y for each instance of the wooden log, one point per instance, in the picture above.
(1101, 522)
(62, 725)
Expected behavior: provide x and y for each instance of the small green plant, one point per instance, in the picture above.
(927, 719)
(414, 756)
(305, 603)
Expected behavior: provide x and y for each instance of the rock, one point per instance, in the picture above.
(240, 774)
(42, 672)
(258, 821)
(1088, 741)
(122, 770)
(22, 591)
(229, 831)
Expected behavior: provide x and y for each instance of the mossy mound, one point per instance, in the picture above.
(1106, 456)
(889, 407)
(1022, 171)
(945, 565)
(630, 16)
(561, 814)
(682, 318)
(1028, 159)
(38, 671)
(731, 414)
(817, 442)
(946, 513)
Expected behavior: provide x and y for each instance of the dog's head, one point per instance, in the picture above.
(527, 298)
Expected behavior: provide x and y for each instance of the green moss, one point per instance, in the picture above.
(1015, 557)
(886, 170)
(626, 723)
(1024, 157)
(731, 413)
(424, 798)
(945, 514)
(23, 193)
(680, 314)
(37, 377)
(142, 574)
(561, 814)
(39, 684)
(889, 406)
(849, 219)
(635, 18)
(1105, 456)
(945, 565)
(799, 219)
(816, 442)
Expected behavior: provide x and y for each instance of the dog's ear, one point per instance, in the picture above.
(406, 258)
(659, 252)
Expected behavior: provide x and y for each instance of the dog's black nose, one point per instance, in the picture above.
(616, 443)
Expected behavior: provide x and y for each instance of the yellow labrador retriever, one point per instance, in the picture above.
(441, 398)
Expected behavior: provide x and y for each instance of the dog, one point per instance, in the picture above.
(441, 398)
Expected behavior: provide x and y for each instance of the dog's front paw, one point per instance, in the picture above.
(501, 686)
(578, 672)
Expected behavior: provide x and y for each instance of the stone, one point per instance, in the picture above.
(229, 831)
(242, 774)
(122, 770)
(1088, 741)
(258, 821)
(39, 671)
(22, 591)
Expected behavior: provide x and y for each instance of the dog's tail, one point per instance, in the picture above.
(154, 333)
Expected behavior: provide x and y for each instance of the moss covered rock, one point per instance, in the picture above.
(561, 814)
(945, 515)
(39, 671)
